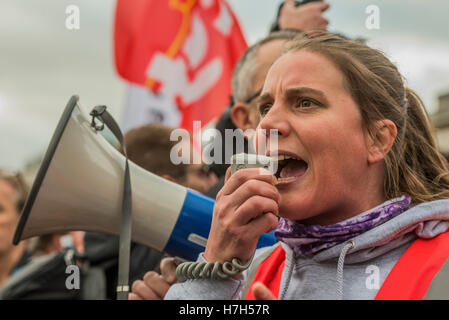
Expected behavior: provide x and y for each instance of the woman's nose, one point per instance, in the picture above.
(275, 121)
(272, 127)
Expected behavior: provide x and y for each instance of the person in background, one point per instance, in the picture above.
(23, 273)
(50, 243)
(303, 16)
(149, 147)
(13, 194)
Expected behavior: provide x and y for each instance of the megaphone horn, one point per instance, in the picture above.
(79, 186)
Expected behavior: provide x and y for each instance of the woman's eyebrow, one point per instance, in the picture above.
(264, 97)
(294, 92)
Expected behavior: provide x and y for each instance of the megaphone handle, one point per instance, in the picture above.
(126, 221)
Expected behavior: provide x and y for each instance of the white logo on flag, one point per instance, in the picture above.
(172, 73)
(224, 21)
(194, 52)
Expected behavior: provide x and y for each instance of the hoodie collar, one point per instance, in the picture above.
(426, 220)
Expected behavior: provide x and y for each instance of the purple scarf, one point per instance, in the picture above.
(304, 239)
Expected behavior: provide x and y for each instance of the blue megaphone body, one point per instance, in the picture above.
(191, 230)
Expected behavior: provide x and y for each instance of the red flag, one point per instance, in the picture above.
(184, 50)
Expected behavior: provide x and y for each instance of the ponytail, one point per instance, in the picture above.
(422, 171)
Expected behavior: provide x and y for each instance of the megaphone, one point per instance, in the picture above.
(79, 187)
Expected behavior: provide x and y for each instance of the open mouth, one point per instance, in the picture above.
(289, 168)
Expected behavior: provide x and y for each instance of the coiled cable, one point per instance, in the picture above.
(211, 270)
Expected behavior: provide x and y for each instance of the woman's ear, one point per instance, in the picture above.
(385, 134)
(240, 115)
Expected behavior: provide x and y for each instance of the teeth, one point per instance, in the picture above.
(283, 157)
(285, 179)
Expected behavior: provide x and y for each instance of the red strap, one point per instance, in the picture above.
(269, 273)
(412, 274)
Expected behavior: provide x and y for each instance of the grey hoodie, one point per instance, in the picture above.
(355, 269)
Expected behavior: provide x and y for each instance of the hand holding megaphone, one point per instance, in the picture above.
(246, 207)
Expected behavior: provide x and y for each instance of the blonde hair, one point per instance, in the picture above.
(414, 166)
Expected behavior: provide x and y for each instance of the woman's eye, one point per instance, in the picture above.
(307, 103)
(263, 109)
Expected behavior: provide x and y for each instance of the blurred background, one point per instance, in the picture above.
(42, 63)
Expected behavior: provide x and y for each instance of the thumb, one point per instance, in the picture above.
(168, 269)
(323, 5)
(228, 174)
(261, 292)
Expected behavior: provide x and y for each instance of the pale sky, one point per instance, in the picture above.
(42, 63)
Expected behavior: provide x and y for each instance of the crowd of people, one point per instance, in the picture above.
(361, 183)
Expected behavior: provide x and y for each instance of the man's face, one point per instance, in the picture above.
(8, 215)
(199, 177)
